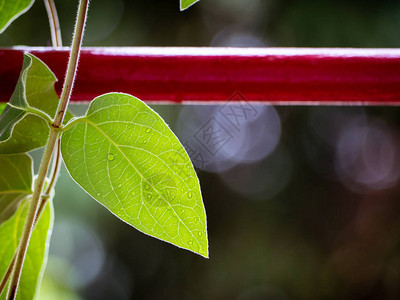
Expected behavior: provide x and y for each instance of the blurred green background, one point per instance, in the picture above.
(302, 203)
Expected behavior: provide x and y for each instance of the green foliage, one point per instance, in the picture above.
(11, 9)
(36, 257)
(187, 3)
(122, 153)
(125, 156)
(15, 182)
(24, 123)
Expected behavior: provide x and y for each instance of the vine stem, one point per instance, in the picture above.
(55, 32)
(54, 134)
(43, 203)
(56, 42)
(7, 275)
(54, 23)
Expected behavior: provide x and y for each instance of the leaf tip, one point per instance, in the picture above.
(205, 254)
(185, 4)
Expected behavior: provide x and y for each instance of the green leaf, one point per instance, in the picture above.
(15, 182)
(187, 3)
(36, 257)
(11, 9)
(2, 106)
(125, 156)
(21, 128)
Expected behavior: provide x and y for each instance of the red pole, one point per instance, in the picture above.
(208, 75)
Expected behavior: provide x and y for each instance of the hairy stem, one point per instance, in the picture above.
(54, 23)
(55, 169)
(31, 215)
(53, 137)
(56, 42)
(72, 64)
(7, 275)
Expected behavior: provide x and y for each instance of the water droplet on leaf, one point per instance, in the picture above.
(190, 195)
(147, 187)
(98, 194)
(148, 130)
(199, 234)
(110, 156)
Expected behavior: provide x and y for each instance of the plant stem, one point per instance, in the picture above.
(55, 168)
(31, 215)
(72, 64)
(54, 23)
(56, 42)
(12, 263)
(54, 134)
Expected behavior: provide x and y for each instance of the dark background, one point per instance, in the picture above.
(306, 204)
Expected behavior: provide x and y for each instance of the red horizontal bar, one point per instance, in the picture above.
(274, 75)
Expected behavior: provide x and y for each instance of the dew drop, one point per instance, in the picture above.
(147, 187)
(190, 195)
(110, 156)
(132, 193)
(199, 234)
(98, 194)
(148, 196)
(190, 242)
(148, 130)
(183, 210)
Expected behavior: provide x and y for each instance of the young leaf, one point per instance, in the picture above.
(15, 182)
(187, 3)
(125, 156)
(10, 10)
(36, 257)
(21, 128)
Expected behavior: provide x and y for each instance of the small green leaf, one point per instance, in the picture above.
(10, 10)
(125, 156)
(2, 106)
(36, 257)
(15, 182)
(21, 128)
(187, 3)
